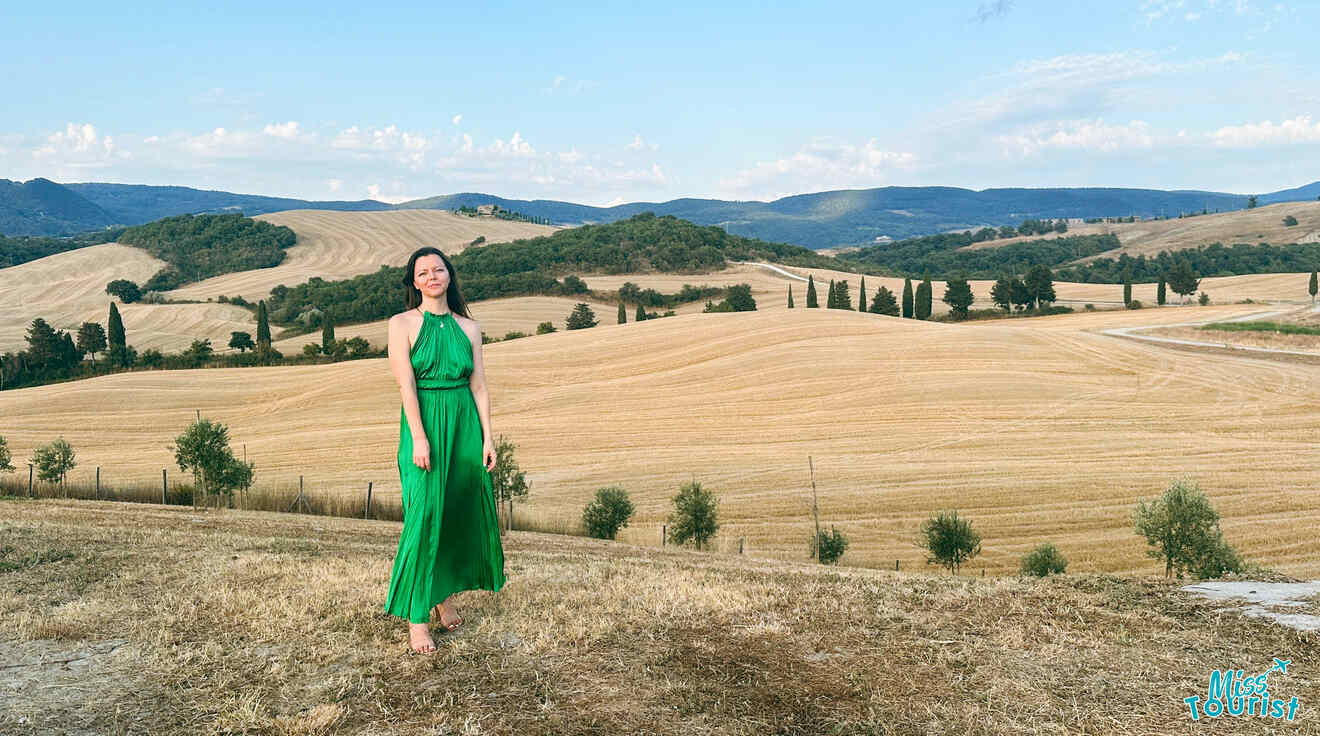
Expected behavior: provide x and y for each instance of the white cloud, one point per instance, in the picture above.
(821, 165)
(335, 184)
(78, 147)
(1092, 135)
(458, 119)
(516, 146)
(1250, 135)
(282, 130)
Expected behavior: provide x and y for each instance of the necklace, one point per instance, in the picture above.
(424, 312)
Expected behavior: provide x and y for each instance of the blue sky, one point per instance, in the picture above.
(605, 103)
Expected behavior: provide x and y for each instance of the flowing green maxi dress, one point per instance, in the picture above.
(450, 540)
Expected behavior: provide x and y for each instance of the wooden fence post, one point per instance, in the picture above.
(740, 545)
(29, 480)
(895, 565)
(366, 513)
(98, 482)
(164, 485)
(663, 537)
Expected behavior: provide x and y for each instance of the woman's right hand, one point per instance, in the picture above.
(422, 453)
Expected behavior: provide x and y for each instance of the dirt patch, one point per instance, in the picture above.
(50, 687)
(1289, 604)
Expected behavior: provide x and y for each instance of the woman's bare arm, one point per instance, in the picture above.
(400, 357)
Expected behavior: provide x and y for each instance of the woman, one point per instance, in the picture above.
(450, 540)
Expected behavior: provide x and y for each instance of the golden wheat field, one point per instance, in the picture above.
(67, 289)
(340, 245)
(1036, 429)
(1262, 224)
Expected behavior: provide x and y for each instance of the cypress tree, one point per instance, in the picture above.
(832, 298)
(1159, 292)
(922, 304)
(328, 337)
(623, 314)
(116, 351)
(1127, 293)
(115, 336)
(861, 296)
(907, 298)
(1314, 284)
(812, 303)
(790, 296)
(640, 316)
(263, 330)
(841, 295)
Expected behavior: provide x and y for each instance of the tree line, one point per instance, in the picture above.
(941, 256)
(197, 247)
(545, 265)
(1215, 259)
(21, 249)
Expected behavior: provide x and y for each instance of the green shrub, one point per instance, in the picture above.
(1045, 559)
(607, 513)
(1135, 304)
(695, 516)
(545, 328)
(1204, 299)
(829, 547)
(951, 541)
(1182, 528)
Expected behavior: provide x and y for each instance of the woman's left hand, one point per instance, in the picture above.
(488, 455)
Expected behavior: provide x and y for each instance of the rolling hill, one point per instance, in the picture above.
(817, 220)
(1038, 430)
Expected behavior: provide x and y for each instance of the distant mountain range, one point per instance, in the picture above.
(820, 220)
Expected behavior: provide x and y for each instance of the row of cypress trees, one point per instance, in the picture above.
(916, 304)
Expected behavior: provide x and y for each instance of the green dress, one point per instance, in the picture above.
(450, 540)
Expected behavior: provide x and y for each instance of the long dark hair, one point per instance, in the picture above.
(412, 296)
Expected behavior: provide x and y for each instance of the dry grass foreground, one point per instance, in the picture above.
(154, 620)
(1262, 224)
(1036, 429)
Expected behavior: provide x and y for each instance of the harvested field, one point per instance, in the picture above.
(340, 245)
(67, 289)
(1037, 429)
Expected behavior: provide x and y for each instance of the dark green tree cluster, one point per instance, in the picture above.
(581, 317)
(127, 291)
(21, 249)
(941, 257)
(642, 243)
(838, 297)
(884, 303)
(200, 246)
(1215, 259)
(1036, 290)
(958, 295)
(739, 300)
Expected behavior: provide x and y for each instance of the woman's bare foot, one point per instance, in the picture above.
(419, 638)
(449, 617)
